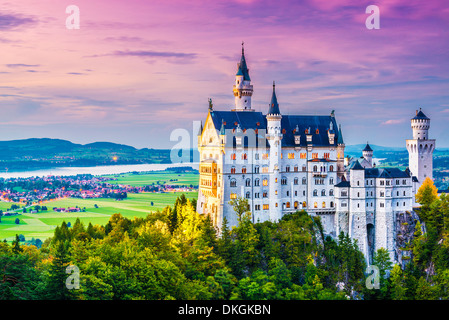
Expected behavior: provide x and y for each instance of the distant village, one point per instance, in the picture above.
(38, 190)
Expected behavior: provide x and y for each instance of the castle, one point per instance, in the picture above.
(284, 163)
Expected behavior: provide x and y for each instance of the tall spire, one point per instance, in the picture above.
(242, 68)
(243, 90)
(340, 136)
(274, 106)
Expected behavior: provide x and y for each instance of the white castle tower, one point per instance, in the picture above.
(420, 148)
(243, 90)
(274, 136)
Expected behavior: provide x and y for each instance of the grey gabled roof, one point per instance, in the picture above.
(343, 184)
(317, 126)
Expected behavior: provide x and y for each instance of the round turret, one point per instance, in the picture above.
(420, 125)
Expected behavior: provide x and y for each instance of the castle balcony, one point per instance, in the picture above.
(319, 174)
(208, 178)
(321, 211)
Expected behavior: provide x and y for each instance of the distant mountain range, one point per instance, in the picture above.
(40, 153)
(30, 154)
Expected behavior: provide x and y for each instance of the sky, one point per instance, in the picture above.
(137, 70)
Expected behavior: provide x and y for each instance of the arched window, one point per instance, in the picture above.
(232, 169)
(233, 183)
(284, 181)
(304, 168)
(257, 182)
(304, 204)
(315, 168)
(248, 182)
(315, 205)
(296, 204)
(315, 193)
(304, 181)
(331, 168)
(248, 195)
(295, 181)
(288, 205)
(323, 204)
(323, 192)
(331, 192)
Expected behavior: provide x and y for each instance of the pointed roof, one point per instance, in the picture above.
(242, 67)
(340, 136)
(367, 148)
(274, 106)
(222, 129)
(357, 166)
(420, 115)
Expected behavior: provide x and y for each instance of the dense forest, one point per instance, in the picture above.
(177, 254)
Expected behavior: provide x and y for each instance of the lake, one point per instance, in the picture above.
(98, 170)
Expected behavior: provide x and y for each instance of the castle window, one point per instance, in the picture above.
(287, 205)
(244, 156)
(323, 204)
(404, 193)
(331, 168)
(295, 181)
(256, 169)
(323, 193)
(326, 155)
(248, 195)
(304, 204)
(248, 182)
(233, 183)
(291, 156)
(296, 204)
(331, 192)
(304, 168)
(265, 182)
(265, 194)
(315, 168)
(243, 169)
(256, 182)
(332, 204)
(233, 196)
(295, 168)
(315, 205)
(233, 156)
(304, 181)
(257, 207)
(256, 155)
(284, 181)
(266, 206)
(264, 169)
(303, 155)
(315, 155)
(381, 204)
(265, 156)
(233, 170)
(315, 193)
(331, 181)
(287, 169)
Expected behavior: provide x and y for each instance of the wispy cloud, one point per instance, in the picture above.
(12, 21)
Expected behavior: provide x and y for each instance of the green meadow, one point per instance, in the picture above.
(97, 211)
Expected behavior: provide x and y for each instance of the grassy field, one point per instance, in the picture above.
(41, 225)
(160, 177)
